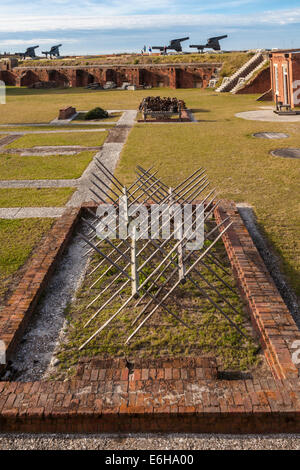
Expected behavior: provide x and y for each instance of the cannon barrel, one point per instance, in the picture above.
(179, 40)
(219, 37)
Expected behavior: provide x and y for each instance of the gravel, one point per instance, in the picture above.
(34, 358)
(149, 442)
(271, 261)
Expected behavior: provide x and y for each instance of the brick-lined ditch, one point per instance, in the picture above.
(163, 395)
(34, 357)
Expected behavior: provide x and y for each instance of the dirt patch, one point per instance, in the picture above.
(118, 135)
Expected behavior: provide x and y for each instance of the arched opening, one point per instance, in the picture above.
(59, 78)
(29, 78)
(9, 78)
(111, 75)
(82, 78)
(91, 78)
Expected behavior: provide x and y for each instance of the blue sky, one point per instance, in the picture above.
(101, 26)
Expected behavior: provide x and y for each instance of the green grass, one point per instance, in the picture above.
(14, 167)
(92, 139)
(41, 106)
(133, 59)
(17, 240)
(163, 335)
(237, 164)
(34, 197)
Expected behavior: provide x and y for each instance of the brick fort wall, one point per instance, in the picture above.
(172, 76)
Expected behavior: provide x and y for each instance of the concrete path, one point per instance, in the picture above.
(109, 155)
(31, 212)
(49, 150)
(68, 183)
(267, 115)
(59, 131)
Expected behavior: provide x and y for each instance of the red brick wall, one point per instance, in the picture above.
(260, 84)
(292, 61)
(183, 76)
(8, 78)
(296, 78)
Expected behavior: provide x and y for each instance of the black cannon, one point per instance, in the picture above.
(54, 52)
(212, 43)
(175, 44)
(30, 52)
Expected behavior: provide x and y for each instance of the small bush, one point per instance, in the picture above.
(96, 113)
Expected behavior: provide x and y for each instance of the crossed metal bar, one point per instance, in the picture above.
(168, 260)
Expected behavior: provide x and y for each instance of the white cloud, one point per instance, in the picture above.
(17, 42)
(131, 22)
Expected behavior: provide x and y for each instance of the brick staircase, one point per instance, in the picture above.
(242, 75)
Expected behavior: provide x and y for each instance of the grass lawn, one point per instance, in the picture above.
(34, 197)
(33, 106)
(14, 167)
(92, 139)
(163, 335)
(237, 164)
(231, 61)
(17, 240)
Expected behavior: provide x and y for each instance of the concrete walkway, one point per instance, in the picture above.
(267, 115)
(49, 150)
(58, 131)
(109, 155)
(68, 183)
(31, 212)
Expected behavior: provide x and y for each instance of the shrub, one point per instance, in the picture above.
(96, 113)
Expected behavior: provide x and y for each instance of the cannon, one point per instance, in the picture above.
(212, 43)
(54, 52)
(30, 52)
(175, 44)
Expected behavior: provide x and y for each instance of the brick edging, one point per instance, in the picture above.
(164, 395)
(167, 395)
(270, 315)
(14, 317)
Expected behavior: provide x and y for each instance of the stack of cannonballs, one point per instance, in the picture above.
(156, 103)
